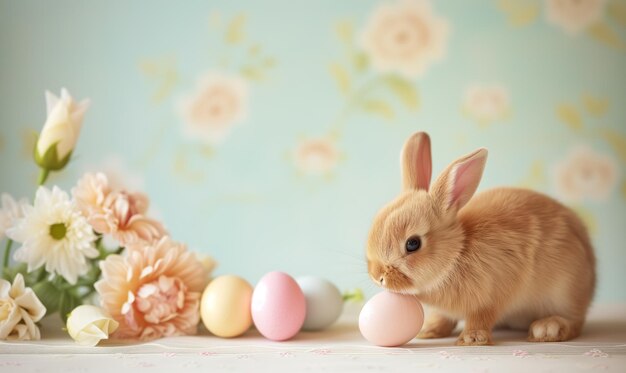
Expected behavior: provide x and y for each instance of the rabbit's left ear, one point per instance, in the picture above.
(457, 184)
(416, 162)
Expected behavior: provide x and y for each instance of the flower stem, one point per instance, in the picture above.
(354, 100)
(7, 254)
(88, 293)
(43, 176)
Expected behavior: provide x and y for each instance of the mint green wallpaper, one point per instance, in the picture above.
(267, 133)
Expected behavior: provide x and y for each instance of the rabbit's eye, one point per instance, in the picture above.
(413, 244)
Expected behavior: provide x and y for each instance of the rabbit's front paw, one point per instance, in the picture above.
(553, 329)
(474, 338)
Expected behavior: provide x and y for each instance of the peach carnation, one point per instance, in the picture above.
(153, 291)
(119, 213)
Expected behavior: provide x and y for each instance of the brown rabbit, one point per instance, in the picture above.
(508, 256)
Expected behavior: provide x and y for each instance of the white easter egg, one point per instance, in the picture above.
(324, 302)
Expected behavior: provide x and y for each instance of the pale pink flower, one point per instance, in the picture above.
(405, 37)
(316, 155)
(585, 174)
(486, 104)
(574, 16)
(219, 102)
(120, 213)
(153, 291)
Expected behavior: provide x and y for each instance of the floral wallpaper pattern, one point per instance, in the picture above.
(269, 133)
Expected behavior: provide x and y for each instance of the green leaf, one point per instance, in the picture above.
(617, 141)
(255, 50)
(595, 106)
(353, 296)
(164, 75)
(9, 273)
(379, 108)
(235, 29)
(519, 13)
(603, 33)
(536, 176)
(67, 303)
(341, 76)
(569, 115)
(50, 160)
(345, 31)
(404, 90)
(617, 11)
(360, 61)
(49, 295)
(269, 63)
(252, 73)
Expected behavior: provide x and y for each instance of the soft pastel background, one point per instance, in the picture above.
(312, 115)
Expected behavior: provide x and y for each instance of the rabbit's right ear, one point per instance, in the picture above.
(416, 162)
(457, 184)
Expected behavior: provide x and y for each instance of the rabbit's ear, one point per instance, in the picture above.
(416, 162)
(457, 184)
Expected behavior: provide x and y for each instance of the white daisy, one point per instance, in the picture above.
(54, 233)
(10, 212)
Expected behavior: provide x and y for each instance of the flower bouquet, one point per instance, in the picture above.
(94, 245)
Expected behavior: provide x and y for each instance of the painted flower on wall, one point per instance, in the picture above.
(316, 156)
(486, 104)
(585, 174)
(574, 16)
(405, 37)
(219, 103)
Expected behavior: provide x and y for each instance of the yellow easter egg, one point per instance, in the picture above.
(225, 306)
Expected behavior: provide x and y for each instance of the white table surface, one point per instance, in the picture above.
(341, 348)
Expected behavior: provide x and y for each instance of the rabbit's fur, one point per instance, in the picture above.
(507, 256)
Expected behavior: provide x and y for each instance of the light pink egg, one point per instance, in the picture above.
(390, 319)
(278, 306)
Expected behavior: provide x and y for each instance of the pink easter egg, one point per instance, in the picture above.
(278, 306)
(390, 319)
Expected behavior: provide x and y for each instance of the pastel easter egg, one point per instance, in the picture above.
(324, 302)
(278, 306)
(225, 306)
(390, 319)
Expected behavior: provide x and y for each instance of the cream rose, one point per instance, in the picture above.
(20, 309)
(405, 37)
(316, 156)
(574, 16)
(220, 102)
(585, 174)
(61, 130)
(486, 104)
(88, 325)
